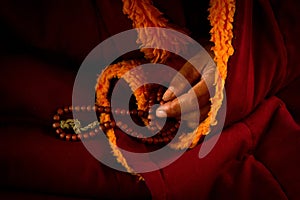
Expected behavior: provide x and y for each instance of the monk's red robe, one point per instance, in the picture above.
(256, 157)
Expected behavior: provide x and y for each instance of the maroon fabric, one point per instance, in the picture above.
(265, 59)
(244, 164)
(33, 159)
(256, 156)
(291, 97)
(238, 168)
(60, 27)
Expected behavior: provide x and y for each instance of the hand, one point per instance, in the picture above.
(184, 102)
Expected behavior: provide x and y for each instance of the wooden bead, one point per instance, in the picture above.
(107, 109)
(123, 112)
(92, 133)
(89, 108)
(134, 134)
(149, 140)
(140, 113)
(166, 139)
(58, 131)
(160, 140)
(112, 124)
(160, 91)
(102, 127)
(172, 129)
(83, 108)
(139, 136)
(106, 125)
(56, 125)
(60, 111)
(74, 137)
(151, 102)
(85, 135)
(56, 117)
(68, 137)
(129, 130)
(77, 108)
(100, 109)
(66, 109)
(163, 133)
(119, 123)
(158, 99)
(124, 126)
(133, 112)
(117, 111)
(170, 137)
(62, 135)
(155, 141)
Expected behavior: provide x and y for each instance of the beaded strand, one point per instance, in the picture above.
(164, 135)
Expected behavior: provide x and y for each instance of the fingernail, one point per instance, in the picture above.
(161, 113)
(168, 94)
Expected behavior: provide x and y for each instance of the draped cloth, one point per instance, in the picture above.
(253, 158)
(256, 156)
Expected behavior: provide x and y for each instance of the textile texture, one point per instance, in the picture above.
(256, 157)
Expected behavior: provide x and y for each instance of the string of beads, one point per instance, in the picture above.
(163, 136)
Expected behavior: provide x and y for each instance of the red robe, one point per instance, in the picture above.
(256, 156)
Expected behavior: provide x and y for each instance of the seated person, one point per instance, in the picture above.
(43, 46)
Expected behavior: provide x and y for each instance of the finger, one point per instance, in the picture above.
(193, 119)
(200, 64)
(185, 103)
(186, 76)
(196, 97)
(208, 77)
(201, 91)
(169, 109)
(203, 114)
